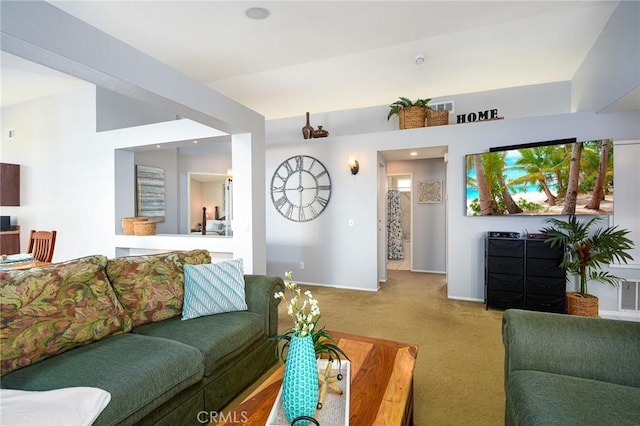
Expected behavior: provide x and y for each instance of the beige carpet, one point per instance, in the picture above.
(458, 379)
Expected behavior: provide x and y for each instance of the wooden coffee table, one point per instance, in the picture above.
(23, 265)
(381, 384)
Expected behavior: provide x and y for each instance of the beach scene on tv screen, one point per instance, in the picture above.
(556, 179)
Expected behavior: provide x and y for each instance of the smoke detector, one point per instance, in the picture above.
(257, 13)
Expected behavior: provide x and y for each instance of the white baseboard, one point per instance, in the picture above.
(336, 286)
(467, 299)
(620, 315)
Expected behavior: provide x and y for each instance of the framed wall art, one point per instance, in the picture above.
(150, 200)
(430, 192)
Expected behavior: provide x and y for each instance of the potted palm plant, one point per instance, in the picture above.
(413, 114)
(410, 114)
(586, 251)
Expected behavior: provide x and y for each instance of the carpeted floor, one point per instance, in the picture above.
(458, 379)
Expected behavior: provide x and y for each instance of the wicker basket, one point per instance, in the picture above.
(438, 117)
(412, 117)
(127, 224)
(144, 228)
(585, 306)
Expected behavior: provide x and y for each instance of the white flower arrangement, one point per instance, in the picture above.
(303, 311)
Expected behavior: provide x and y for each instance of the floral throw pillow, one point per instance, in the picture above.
(151, 287)
(51, 309)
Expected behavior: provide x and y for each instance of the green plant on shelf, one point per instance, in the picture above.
(397, 106)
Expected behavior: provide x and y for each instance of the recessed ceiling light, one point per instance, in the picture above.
(257, 13)
(419, 59)
(413, 154)
(195, 141)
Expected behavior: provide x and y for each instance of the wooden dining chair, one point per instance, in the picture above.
(41, 245)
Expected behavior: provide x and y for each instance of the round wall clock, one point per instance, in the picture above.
(301, 188)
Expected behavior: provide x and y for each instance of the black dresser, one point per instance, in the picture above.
(523, 273)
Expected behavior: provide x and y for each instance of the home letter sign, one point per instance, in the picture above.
(490, 114)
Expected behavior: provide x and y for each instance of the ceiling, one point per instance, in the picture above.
(23, 80)
(326, 56)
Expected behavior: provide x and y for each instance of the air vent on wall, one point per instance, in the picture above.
(630, 296)
(448, 105)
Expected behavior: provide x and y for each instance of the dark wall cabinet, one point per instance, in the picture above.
(523, 274)
(9, 184)
(10, 242)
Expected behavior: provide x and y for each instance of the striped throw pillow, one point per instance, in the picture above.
(213, 288)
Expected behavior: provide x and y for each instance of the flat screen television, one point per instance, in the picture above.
(555, 177)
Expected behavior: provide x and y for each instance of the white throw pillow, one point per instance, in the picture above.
(76, 406)
(214, 225)
(213, 288)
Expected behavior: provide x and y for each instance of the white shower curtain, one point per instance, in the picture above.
(395, 248)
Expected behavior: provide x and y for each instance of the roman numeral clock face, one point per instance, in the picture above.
(301, 188)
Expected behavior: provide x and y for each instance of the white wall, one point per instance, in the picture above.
(246, 242)
(328, 241)
(68, 182)
(69, 174)
(68, 170)
(627, 197)
(327, 244)
(335, 254)
(524, 101)
(465, 233)
(46, 35)
(123, 111)
(612, 68)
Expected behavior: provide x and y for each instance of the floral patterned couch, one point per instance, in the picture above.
(115, 324)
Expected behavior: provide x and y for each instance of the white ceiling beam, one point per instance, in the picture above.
(42, 33)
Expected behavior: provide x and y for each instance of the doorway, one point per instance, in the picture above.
(209, 203)
(399, 221)
(425, 246)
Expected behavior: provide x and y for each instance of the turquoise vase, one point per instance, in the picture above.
(300, 384)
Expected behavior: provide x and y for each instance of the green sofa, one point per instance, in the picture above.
(115, 324)
(567, 370)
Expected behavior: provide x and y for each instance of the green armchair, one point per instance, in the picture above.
(567, 370)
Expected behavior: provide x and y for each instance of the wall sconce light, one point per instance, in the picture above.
(354, 166)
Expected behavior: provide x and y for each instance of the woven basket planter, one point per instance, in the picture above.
(144, 228)
(585, 306)
(438, 117)
(412, 117)
(127, 224)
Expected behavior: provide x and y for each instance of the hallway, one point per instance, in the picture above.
(402, 264)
